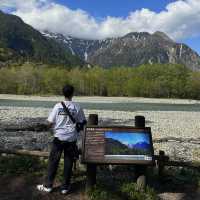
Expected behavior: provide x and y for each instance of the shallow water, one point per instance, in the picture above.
(107, 106)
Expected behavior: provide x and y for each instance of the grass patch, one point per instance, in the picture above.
(181, 175)
(100, 192)
(17, 165)
(14, 165)
(125, 191)
(119, 184)
(131, 192)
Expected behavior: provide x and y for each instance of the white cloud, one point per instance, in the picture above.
(21, 4)
(180, 19)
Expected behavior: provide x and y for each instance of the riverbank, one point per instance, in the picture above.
(184, 127)
(98, 99)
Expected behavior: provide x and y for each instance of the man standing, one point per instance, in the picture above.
(65, 137)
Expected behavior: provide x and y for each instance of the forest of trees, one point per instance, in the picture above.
(157, 80)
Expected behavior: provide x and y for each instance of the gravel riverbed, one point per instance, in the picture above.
(175, 132)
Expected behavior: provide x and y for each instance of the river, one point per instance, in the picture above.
(128, 106)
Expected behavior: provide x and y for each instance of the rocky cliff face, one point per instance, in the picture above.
(132, 49)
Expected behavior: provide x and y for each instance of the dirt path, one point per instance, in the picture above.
(19, 188)
(24, 188)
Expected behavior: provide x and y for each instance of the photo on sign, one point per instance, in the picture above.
(128, 145)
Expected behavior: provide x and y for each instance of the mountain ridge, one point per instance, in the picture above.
(21, 42)
(133, 49)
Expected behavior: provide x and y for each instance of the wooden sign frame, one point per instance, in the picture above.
(93, 145)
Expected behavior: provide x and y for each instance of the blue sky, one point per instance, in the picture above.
(117, 8)
(128, 138)
(99, 19)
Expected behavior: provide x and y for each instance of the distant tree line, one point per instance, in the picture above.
(157, 80)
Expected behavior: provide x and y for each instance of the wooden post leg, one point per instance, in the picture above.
(140, 170)
(91, 168)
(91, 176)
(139, 121)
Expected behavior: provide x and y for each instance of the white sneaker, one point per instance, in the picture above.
(42, 188)
(65, 190)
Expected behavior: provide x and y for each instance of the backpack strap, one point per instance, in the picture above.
(68, 113)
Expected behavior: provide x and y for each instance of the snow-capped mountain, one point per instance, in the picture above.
(132, 49)
(81, 47)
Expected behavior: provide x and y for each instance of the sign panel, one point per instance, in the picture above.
(117, 145)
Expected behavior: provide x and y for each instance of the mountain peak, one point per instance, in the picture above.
(136, 35)
(163, 36)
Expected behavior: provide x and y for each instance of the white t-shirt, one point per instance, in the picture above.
(64, 128)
